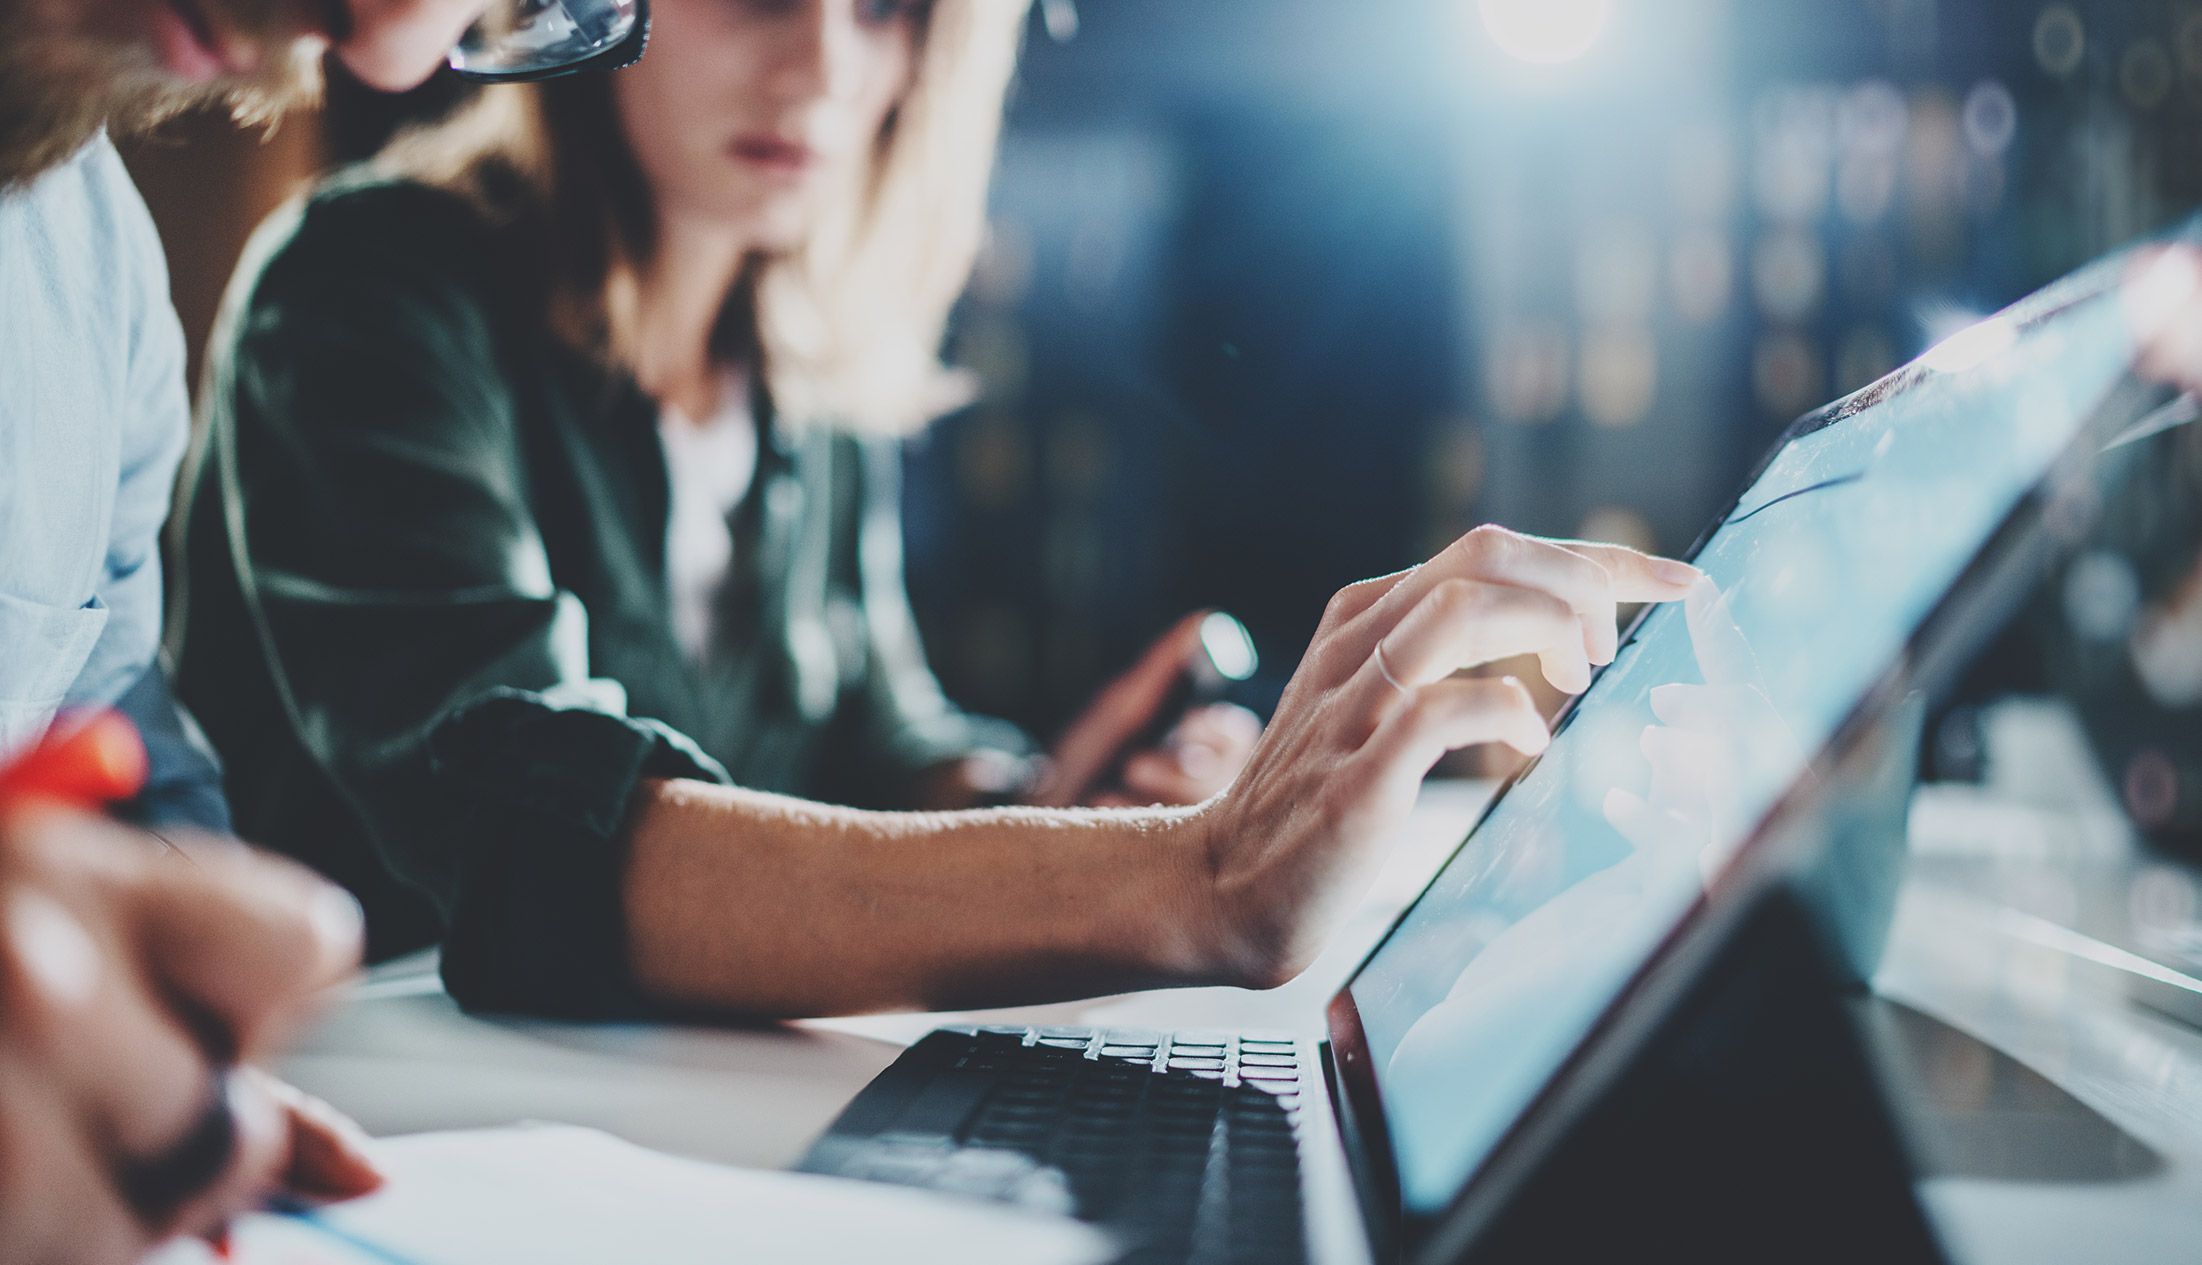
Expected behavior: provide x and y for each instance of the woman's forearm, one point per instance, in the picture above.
(775, 906)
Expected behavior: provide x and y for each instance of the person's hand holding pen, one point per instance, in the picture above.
(138, 988)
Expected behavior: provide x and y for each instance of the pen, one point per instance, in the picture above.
(301, 1211)
(88, 762)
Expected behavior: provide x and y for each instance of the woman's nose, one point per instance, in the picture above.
(821, 52)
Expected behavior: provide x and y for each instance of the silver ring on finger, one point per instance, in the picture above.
(1384, 669)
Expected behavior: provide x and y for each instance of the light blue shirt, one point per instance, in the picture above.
(93, 421)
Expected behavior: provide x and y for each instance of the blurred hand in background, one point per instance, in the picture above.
(1099, 761)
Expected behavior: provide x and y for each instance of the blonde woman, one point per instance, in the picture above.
(548, 483)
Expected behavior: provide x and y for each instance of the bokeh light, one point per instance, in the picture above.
(1701, 273)
(2060, 41)
(1991, 118)
(1620, 375)
(2145, 75)
(1871, 120)
(2102, 596)
(1618, 525)
(1546, 32)
(1529, 371)
(1786, 374)
(1789, 274)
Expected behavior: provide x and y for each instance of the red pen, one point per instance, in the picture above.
(85, 761)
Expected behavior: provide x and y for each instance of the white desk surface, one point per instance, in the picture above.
(2032, 920)
(401, 1058)
(2009, 930)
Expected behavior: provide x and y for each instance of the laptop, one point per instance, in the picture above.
(1873, 549)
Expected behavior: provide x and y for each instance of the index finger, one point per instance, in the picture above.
(252, 940)
(1589, 578)
(1637, 576)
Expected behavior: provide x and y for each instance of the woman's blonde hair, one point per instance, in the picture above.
(848, 325)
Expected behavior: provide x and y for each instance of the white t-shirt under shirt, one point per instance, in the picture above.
(709, 466)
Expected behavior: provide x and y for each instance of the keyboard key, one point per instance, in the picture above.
(893, 1172)
(1177, 1087)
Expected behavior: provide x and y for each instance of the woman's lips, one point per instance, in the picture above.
(787, 158)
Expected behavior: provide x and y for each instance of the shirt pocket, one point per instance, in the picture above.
(42, 650)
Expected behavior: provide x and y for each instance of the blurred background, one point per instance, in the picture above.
(1285, 293)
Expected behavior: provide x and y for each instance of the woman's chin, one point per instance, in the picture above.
(766, 225)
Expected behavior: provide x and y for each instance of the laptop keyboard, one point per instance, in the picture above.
(1184, 1145)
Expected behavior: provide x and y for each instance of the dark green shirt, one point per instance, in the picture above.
(426, 619)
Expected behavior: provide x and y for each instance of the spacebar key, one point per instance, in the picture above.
(945, 1103)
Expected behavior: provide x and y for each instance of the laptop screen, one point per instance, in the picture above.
(1815, 582)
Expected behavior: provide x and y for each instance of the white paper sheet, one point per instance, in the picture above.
(558, 1195)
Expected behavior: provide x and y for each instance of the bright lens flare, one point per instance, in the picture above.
(1545, 31)
(1972, 346)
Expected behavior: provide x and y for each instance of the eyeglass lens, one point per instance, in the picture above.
(518, 36)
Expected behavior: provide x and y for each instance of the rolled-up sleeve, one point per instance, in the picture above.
(374, 493)
(540, 926)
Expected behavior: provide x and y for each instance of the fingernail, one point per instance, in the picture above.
(337, 919)
(1674, 572)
